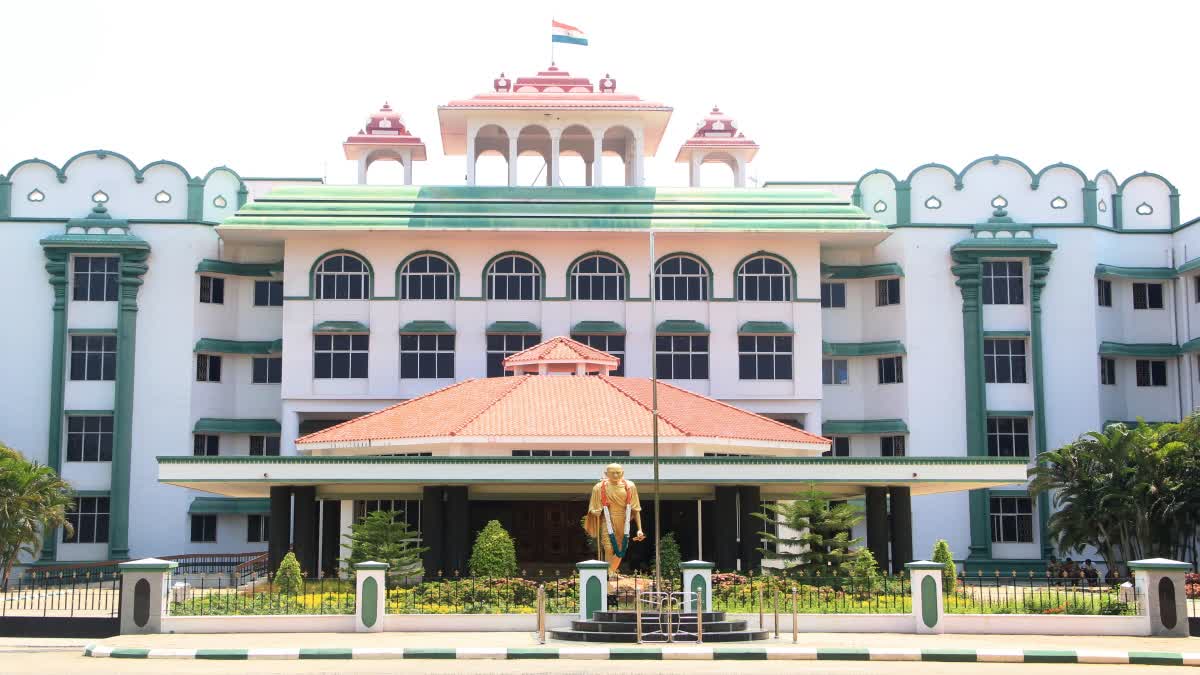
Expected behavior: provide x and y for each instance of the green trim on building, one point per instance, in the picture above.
(537, 265)
(86, 413)
(225, 505)
(708, 273)
(597, 328)
(526, 461)
(860, 427)
(851, 349)
(1190, 346)
(341, 327)
(793, 287)
(765, 328)
(312, 271)
(1006, 334)
(861, 271)
(229, 425)
(1008, 493)
(513, 327)
(1191, 265)
(437, 254)
(1113, 271)
(91, 331)
(238, 347)
(1010, 413)
(1003, 247)
(427, 328)
(1148, 349)
(604, 254)
(682, 327)
(236, 269)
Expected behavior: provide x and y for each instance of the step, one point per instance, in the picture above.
(631, 616)
(626, 627)
(590, 636)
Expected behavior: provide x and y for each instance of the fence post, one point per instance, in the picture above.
(697, 581)
(144, 586)
(1162, 585)
(370, 602)
(593, 587)
(928, 605)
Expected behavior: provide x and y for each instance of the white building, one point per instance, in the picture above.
(930, 325)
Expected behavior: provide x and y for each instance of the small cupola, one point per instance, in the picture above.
(561, 356)
(384, 138)
(717, 139)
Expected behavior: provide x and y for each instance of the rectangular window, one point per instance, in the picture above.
(426, 357)
(264, 446)
(501, 346)
(89, 438)
(1196, 288)
(1104, 292)
(681, 357)
(1008, 436)
(258, 529)
(1004, 361)
(89, 521)
(267, 370)
(1003, 283)
(1108, 371)
(204, 528)
(840, 447)
(268, 293)
(835, 371)
(206, 445)
(407, 510)
(95, 278)
(1012, 520)
(212, 290)
(613, 344)
(208, 368)
(833, 295)
(891, 446)
(891, 370)
(573, 453)
(887, 292)
(1151, 373)
(765, 357)
(94, 357)
(1147, 296)
(340, 357)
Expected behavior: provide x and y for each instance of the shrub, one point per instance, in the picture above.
(864, 571)
(289, 578)
(383, 536)
(669, 556)
(942, 554)
(494, 554)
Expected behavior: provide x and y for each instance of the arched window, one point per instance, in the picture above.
(514, 277)
(427, 277)
(680, 277)
(598, 277)
(764, 278)
(342, 277)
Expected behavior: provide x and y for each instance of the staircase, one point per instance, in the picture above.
(622, 627)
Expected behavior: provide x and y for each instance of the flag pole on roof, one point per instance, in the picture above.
(566, 34)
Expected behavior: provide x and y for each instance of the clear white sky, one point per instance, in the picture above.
(829, 90)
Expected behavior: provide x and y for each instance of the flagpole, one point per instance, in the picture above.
(654, 414)
(552, 40)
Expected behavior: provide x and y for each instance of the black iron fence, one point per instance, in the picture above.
(92, 594)
(812, 594)
(1042, 594)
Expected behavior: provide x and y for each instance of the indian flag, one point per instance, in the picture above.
(566, 33)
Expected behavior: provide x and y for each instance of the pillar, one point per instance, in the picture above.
(555, 140)
(726, 527)
(407, 161)
(593, 588)
(57, 264)
(928, 604)
(597, 158)
(877, 526)
(304, 534)
(132, 266)
(1039, 269)
(694, 170)
(1160, 582)
(370, 587)
(750, 497)
(471, 156)
(512, 160)
(458, 530)
(345, 524)
(638, 174)
(331, 536)
(362, 170)
(901, 507)
(969, 271)
(433, 511)
(279, 536)
(697, 584)
(739, 172)
(144, 586)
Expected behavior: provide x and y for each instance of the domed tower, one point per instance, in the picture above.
(385, 138)
(717, 139)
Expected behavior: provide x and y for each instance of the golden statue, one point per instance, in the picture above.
(614, 503)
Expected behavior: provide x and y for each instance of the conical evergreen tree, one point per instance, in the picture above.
(822, 544)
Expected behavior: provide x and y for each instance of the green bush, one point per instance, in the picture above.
(289, 578)
(864, 571)
(669, 556)
(494, 554)
(383, 536)
(942, 554)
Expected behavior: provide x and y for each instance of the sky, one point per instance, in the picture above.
(829, 90)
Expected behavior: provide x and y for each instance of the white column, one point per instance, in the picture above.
(597, 157)
(927, 599)
(638, 166)
(362, 170)
(144, 585)
(555, 139)
(512, 159)
(345, 520)
(694, 170)
(470, 156)
(739, 173)
(407, 167)
(370, 584)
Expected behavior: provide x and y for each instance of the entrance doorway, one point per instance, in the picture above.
(550, 532)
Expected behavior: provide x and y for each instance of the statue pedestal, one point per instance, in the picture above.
(593, 587)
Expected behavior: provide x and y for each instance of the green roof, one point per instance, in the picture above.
(1005, 333)
(764, 328)
(1002, 245)
(549, 208)
(518, 327)
(427, 327)
(597, 327)
(227, 425)
(1147, 349)
(682, 326)
(229, 505)
(341, 327)
(1189, 266)
(849, 427)
(863, 348)
(218, 346)
(861, 271)
(1190, 346)
(239, 269)
(1135, 272)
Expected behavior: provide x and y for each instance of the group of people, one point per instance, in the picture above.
(1073, 572)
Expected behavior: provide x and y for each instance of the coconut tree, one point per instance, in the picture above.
(33, 501)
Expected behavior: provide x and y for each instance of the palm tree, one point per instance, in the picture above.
(33, 502)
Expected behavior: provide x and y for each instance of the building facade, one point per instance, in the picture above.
(949, 316)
